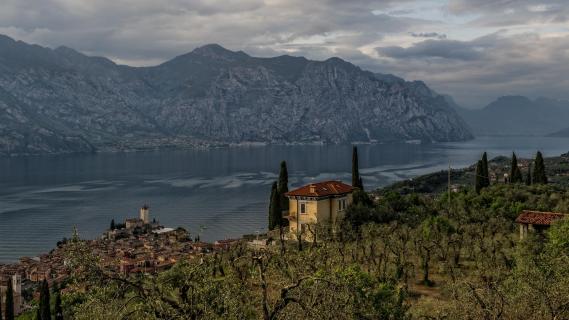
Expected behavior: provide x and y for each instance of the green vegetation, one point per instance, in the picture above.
(556, 169)
(45, 302)
(413, 256)
(528, 176)
(58, 310)
(9, 301)
(485, 172)
(356, 179)
(278, 201)
(275, 212)
(402, 255)
(283, 188)
(515, 172)
(539, 175)
(479, 184)
(482, 175)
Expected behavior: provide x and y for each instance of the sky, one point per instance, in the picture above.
(474, 50)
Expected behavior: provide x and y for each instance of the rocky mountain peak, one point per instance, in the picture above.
(217, 52)
(71, 102)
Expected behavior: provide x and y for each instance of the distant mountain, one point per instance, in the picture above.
(518, 115)
(561, 133)
(60, 100)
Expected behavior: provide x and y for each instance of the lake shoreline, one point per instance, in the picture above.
(225, 190)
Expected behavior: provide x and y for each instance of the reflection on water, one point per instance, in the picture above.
(224, 190)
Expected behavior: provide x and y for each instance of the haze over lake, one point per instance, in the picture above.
(224, 190)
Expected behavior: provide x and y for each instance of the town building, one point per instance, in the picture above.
(537, 221)
(132, 223)
(323, 203)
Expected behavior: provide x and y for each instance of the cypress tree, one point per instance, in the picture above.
(515, 173)
(45, 312)
(485, 173)
(539, 175)
(113, 227)
(479, 180)
(9, 301)
(58, 309)
(528, 176)
(356, 179)
(274, 207)
(283, 186)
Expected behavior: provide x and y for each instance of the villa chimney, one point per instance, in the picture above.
(312, 188)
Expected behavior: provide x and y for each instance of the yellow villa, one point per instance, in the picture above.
(322, 202)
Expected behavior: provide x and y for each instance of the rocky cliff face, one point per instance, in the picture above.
(55, 101)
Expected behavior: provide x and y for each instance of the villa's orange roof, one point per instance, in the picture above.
(539, 218)
(321, 189)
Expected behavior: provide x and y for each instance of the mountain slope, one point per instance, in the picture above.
(517, 115)
(210, 95)
(561, 133)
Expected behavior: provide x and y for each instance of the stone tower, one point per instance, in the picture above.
(145, 214)
(17, 287)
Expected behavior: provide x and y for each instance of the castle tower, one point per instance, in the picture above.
(17, 287)
(17, 284)
(145, 214)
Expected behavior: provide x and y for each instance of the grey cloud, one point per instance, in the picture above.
(145, 32)
(526, 64)
(505, 13)
(445, 49)
(153, 30)
(436, 35)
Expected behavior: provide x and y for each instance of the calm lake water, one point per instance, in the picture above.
(224, 190)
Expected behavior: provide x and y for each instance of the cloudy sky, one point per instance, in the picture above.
(475, 50)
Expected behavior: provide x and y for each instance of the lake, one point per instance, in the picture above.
(224, 191)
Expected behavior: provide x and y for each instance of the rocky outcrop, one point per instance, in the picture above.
(60, 100)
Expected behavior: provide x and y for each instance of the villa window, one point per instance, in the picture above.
(341, 204)
(303, 208)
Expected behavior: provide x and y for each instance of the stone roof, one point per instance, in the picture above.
(539, 217)
(321, 189)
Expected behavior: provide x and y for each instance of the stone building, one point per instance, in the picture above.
(537, 221)
(322, 202)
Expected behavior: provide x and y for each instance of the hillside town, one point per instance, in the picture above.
(137, 246)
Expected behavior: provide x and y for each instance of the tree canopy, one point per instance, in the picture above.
(539, 175)
(515, 172)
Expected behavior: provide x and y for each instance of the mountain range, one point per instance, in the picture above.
(60, 100)
(517, 116)
(564, 133)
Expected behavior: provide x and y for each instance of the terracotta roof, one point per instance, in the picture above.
(539, 218)
(321, 189)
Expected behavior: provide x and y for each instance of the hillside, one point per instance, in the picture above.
(557, 169)
(59, 100)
